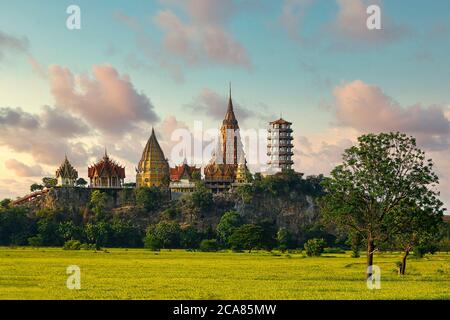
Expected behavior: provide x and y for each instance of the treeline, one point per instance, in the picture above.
(153, 221)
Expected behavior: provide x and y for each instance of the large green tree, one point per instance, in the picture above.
(377, 177)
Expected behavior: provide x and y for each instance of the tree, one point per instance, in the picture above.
(247, 236)
(209, 245)
(14, 226)
(36, 187)
(284, 239)
(269, 234)
(228, 223)
(378, 176)
(124, 234)
(49, 182)
(149, 198)
(202, 197)
(47, 228)
(81, 182)
(69, 231)
(165, 235)
(99, 203)
(418, 230)
(314, 247)
(97, 233)
(5, 203)
(190, 238)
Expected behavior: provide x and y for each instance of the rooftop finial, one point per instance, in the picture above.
(230, 89)
(106, 153)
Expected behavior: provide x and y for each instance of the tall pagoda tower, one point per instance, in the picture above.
(153, 169)
(221, 172)
(279, 146)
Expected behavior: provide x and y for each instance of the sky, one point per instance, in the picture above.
(167, 64)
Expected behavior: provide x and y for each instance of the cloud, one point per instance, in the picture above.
(108, 101)
(22, 170)
(203, 37)
(11, 44)
(351, 24)
(368, 109)
(41, 136)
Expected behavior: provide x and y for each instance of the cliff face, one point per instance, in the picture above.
(292, 211)
(75, 199)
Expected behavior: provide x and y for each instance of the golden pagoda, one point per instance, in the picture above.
(153, 169)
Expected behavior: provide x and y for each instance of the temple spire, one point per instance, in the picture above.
(230, 118)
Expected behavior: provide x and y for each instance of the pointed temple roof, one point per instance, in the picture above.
(152, 152)
(230, 118)
(106, 168)
(177, 173)
(66, 170)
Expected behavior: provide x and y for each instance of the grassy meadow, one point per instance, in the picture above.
(27, 273)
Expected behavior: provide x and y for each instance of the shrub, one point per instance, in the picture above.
(334, 250)
(248, 237)
(87, 246)
(35, 241)
(314, 247)
(209, 245)
(229, 222)
(72, 245)
(152, 242)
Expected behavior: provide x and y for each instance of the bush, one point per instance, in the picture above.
(72, 245)
(334, 250)
(209, 245)
(87, 246)
(152, 242)
(35, 241)
(248, 237)
(314, 247)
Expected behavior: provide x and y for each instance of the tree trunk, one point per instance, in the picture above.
(403, 267)
(370, 250)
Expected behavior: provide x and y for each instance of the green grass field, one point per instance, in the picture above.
(27, 273)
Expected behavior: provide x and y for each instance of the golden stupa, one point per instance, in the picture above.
(153, 169)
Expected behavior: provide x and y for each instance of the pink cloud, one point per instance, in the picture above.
(203, 37)
(368, 109)
(107, 100)
(22, 170)
(351, 24)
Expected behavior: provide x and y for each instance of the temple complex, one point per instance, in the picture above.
(106, 174)
(182, 179)
(66, 174)
(222, 170)
(153, 168)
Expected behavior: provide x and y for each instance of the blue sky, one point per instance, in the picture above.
(294, 55)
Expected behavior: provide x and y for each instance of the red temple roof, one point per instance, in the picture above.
(177, 173)
(106, 168)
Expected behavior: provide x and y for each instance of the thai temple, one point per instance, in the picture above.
(228, 161)
(183, 179)
(227, 168)
(153, 169)
(106, 174)
(66, 174)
